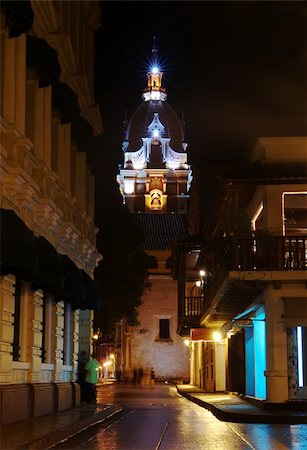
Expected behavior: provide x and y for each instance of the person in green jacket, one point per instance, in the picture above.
(91, 379)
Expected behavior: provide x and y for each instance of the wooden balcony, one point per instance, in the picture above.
(252, 254)
(225, 255)
(190, 313)
(193, 306)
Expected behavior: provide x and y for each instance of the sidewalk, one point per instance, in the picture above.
(230, 408)
(46, 431)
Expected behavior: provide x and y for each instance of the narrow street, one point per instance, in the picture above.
(157, 418)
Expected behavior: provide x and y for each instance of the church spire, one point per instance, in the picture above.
(154, 53)
(154, 89)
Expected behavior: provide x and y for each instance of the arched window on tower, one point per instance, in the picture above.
(155, 200)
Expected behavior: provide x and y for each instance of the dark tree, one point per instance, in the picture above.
(122, 275)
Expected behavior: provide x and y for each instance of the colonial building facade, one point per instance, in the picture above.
(243, 300)
(154, 183)
(48, 235)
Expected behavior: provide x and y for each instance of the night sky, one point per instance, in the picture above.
(237, 70)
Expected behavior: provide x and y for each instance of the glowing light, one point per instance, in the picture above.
(187, 342)
(202, 273)
(129, 187)
(198, 283)
(155, 69)
(107, 363)
(95, 336)
(217, 336)
(300, 356)
(112, 356)
(173, 165)
(155, 133)
(138, 165)
(256, 216)
(155, 95)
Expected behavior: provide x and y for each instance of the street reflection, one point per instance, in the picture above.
(157, 418)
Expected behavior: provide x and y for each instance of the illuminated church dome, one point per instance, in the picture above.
(139, 125)
(156, 175)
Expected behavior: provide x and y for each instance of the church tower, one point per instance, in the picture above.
(154, 183)
(156, 176)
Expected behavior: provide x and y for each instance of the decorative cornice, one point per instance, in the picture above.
(32, 191)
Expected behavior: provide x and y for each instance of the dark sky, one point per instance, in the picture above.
(236, 69)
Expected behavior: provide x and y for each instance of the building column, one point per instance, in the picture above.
(58, 340)
(7, 309)
(192, 363)
(74, 326)
(276, 348)
(220, 365)
(86, 331)
(33, 304)
(15, 81)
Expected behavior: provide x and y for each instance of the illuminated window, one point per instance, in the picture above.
(156, 200)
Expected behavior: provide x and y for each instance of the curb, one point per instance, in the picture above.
(227, 416)
(56, 436)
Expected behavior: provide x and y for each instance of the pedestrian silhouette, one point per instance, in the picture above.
(140, 375)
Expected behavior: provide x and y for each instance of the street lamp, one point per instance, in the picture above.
(96, 337)
(203, 279)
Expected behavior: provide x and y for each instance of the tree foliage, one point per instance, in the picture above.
(122, 275)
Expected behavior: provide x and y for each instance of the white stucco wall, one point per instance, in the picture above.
(169, 359)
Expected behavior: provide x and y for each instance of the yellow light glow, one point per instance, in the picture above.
(217, 336)
(256, 216)
(95, 336)
(112, 356)
(202, 273)
(107, 363)
(198, 283)
(187, 342)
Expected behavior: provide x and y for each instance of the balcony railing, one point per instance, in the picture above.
(193, 306)
(251, 254)
(271, 253)
(240, 254)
